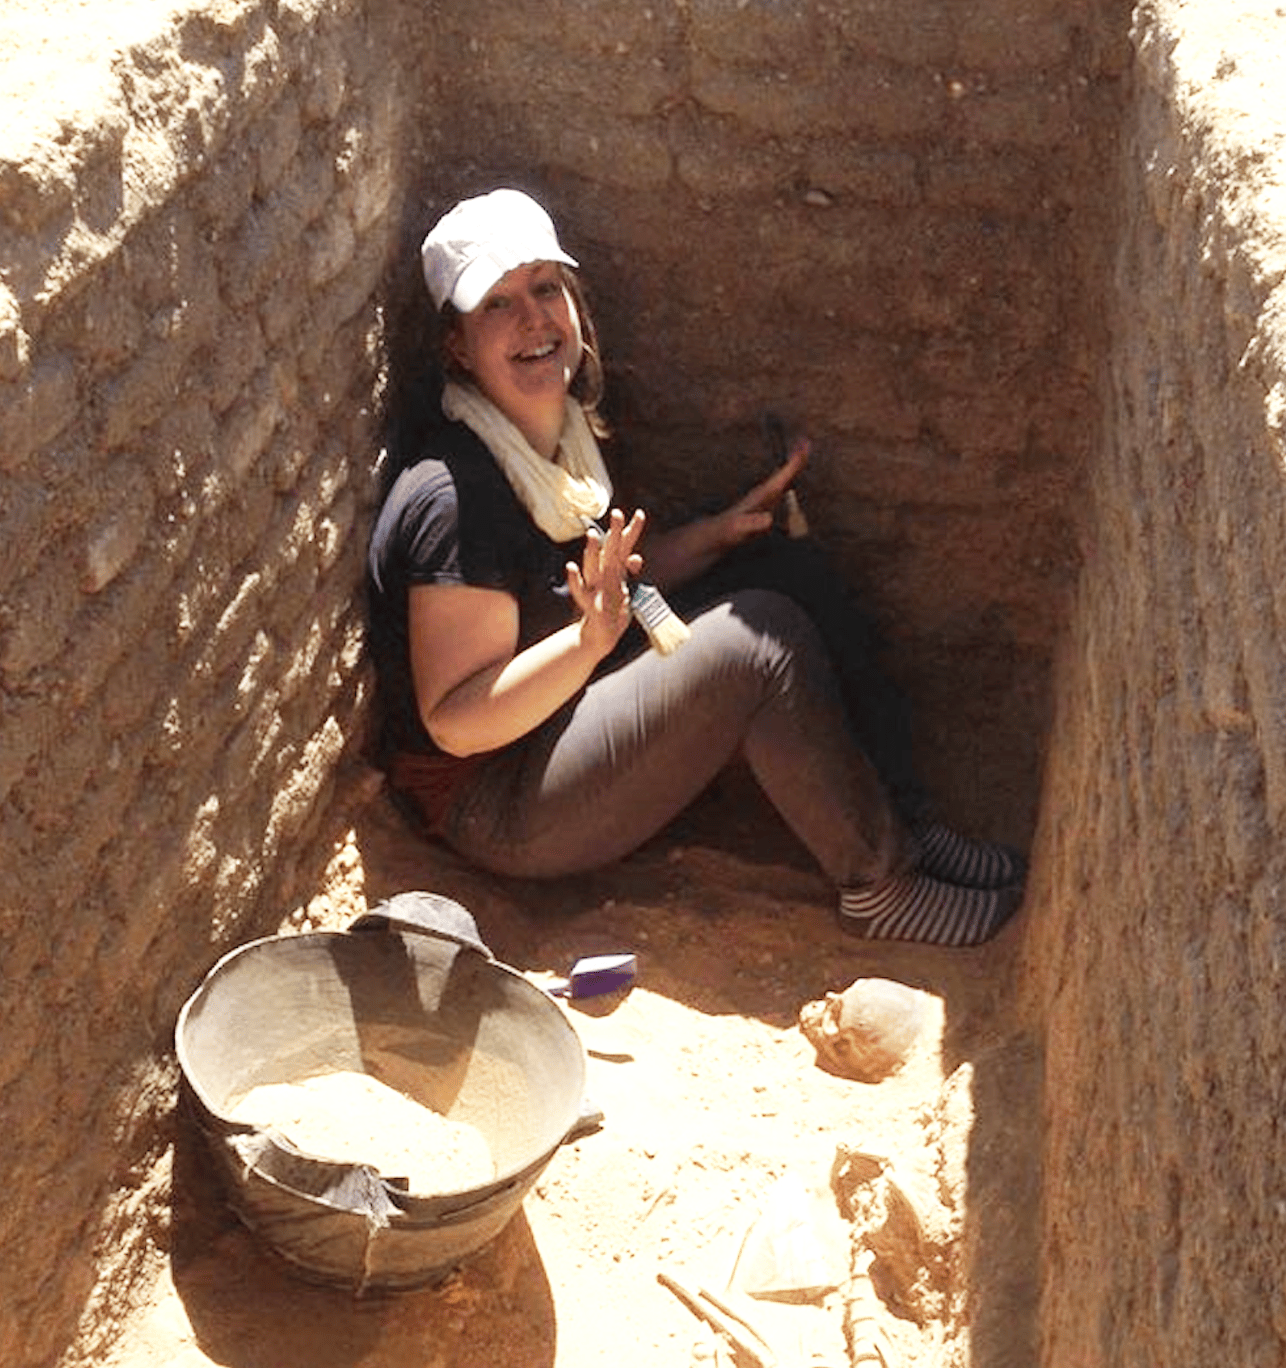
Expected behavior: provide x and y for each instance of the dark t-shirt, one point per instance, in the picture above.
(454, 519)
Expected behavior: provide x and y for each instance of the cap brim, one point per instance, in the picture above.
(483, 272)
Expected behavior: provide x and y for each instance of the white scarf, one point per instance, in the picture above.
(564, 495)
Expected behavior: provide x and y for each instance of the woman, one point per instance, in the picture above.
(530, 725)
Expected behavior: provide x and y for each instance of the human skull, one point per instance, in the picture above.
(867, 1031)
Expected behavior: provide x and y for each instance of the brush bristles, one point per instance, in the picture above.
(668, 635)
(665, 629)
(796, 522)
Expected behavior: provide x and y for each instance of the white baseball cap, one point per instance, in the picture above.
(481, 239)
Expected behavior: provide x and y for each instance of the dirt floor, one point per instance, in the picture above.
(711, 1097)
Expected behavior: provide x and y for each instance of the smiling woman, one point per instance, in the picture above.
(522, 346)
(528, 722)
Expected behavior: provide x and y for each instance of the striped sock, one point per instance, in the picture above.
(913, 907)
(945, 854)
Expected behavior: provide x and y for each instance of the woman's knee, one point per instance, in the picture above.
(764, 628)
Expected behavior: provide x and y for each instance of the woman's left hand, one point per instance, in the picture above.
(753, 514)
(681, 554)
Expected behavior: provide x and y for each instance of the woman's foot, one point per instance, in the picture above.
(944, 854)
(914, 907)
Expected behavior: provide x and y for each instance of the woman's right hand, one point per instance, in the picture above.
(600, 587)
(476, 691)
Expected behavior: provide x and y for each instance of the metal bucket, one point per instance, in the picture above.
(411, 996)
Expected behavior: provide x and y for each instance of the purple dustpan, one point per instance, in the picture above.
(596, 975)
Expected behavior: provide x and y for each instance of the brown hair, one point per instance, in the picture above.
(587, 384)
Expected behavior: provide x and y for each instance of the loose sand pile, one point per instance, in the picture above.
(356, 1118)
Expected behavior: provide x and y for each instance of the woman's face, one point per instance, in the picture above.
(522, 345)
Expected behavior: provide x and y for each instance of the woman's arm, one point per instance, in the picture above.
(683, 553)
(474, 693)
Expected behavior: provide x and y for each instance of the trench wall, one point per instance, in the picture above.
(191, 240)
(882, 221)
(1157, 929)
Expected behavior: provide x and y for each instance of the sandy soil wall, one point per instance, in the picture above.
(1158, 933)
(882, 221)
(191, 242)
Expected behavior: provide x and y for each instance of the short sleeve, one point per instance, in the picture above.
(430, 528)
(416, 536)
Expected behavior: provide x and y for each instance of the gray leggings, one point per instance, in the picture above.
(614, 765)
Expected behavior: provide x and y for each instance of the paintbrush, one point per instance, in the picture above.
(665, 629)
(779, 448)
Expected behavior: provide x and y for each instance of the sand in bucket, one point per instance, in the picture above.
(355, 1118)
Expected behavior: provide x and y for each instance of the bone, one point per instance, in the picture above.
(866, 1032)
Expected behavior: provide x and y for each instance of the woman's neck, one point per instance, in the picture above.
(543, 431)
